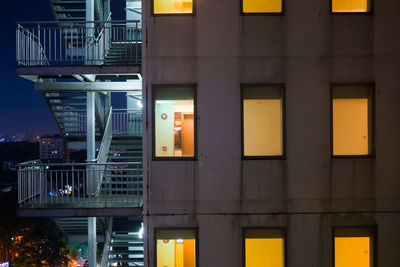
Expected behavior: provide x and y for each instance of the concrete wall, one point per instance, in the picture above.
(307, 48)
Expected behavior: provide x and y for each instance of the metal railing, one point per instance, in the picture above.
(29, 47)
(78, 42)
(127, 122)
(74, 185)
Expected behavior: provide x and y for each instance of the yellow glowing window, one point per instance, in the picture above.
(262, 121)
(354, 247)
(264, 248)
(176, 248)
(262, 6)
(344, 6)
(174, 122)
(352, 119)
(173, 6)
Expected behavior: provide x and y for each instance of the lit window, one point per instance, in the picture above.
(356, 6)
(262, 6)
(352, 120)
(354, 247)
(176, 248)
(262, 121)
(264, 247)
(174, 122)
(173, 6)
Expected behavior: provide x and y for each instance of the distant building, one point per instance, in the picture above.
(9, 165)
(52, 148)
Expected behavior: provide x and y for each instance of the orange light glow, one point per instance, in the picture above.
(173, 6)
(351, 6)
(262, 6)
(352, 252)
(350, 127)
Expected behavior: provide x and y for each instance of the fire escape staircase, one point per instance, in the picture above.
(123, 243)
(69, 112)
(74, 10)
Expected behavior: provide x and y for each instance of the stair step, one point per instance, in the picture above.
(126, 260)
(66, 11)
(71, 18)
(67, 104)
(60, 3)
(66, 97)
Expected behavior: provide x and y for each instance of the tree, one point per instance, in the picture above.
(30, 242)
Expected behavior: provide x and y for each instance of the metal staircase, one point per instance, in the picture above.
(125, 246)
(69, 111)
(124, 52)
(128, 182)
(75, 10)
(69, 10)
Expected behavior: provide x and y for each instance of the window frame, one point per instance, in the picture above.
(196, 236)
(284, 236)
(153, 101)
(371, 12)
(371, 87)
(152, 14)
(373, 231)
(282, 13)
(282, 87)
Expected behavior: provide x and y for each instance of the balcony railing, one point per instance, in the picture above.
(127, 122)
(80, 185)
(78, 43)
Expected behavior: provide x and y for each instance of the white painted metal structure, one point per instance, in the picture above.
(101, 57)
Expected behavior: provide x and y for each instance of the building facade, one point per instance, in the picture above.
(52, 149)
(316, 165)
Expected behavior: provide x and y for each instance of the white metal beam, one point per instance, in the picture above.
(89, 86)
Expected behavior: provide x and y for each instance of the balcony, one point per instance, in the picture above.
(80, 185)
(78, 43)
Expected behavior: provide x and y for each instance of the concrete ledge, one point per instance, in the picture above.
(78, 212)
(72, 70)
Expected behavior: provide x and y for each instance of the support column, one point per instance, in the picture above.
(90, 126)
(107, 8)
(92, 244)
(89, 31)
(91, 179)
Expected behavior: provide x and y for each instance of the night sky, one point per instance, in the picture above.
(22, 109)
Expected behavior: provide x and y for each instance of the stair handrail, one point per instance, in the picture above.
(104, 26)
(107, 244)
(105, 141)
(103, 152)
(32, 38)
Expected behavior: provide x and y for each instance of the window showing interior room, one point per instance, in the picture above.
(176, 248)
(262, 6)
(262, 121)
(264, 247)
(352, 6)
(173, 6)
(354, 247)
(174, 121)
(352, 120)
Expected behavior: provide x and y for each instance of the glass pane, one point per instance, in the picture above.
(176, 248)
(262, 6)
(352, 252)
(262, 122)
(174, 122)
(351, 6)
(264, 251)
(173, 6)
(350, 127)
